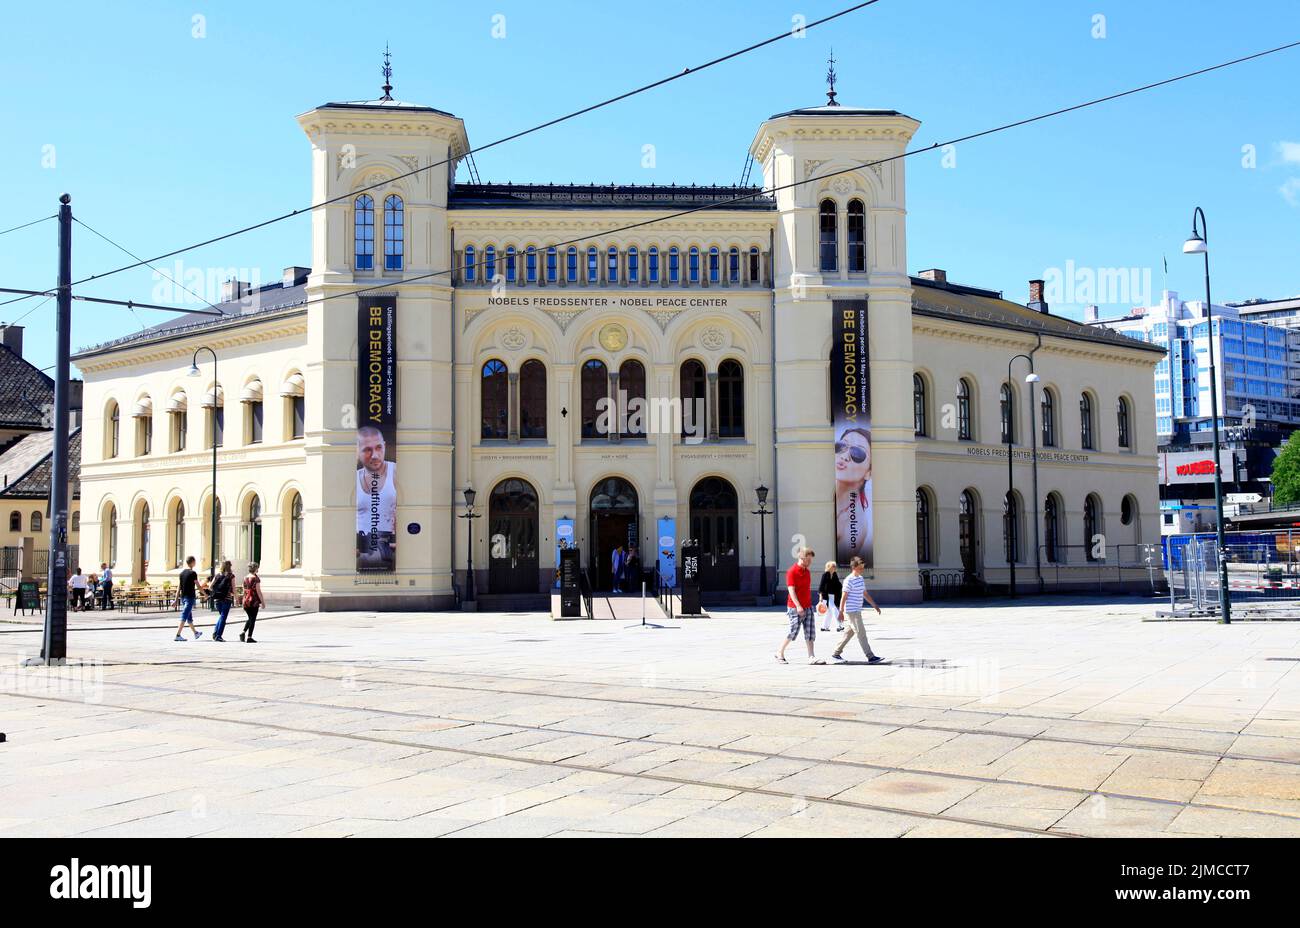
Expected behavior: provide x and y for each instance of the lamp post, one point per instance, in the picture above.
(1009, 509)
(1197, 244)
(469, 602)
(762, 512)
(216, 386)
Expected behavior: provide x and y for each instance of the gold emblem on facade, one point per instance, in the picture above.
(612, 337)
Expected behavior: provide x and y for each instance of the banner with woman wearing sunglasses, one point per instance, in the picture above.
(851, 418)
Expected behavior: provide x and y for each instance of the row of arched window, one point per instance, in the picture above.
(614, 403)
(252, 398)
(364, 232)
(178, 547)
(1054, 538)
(828, 237)
(695, 265)
(967, 426)
(37, 522)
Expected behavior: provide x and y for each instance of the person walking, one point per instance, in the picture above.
(106, 584)
(855, 591)
(829, 591)
(222, 592)
(78, 584)
(253, 600)
(798, 606)
(189, 592)
(616, 569)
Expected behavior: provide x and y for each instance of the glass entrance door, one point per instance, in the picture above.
(512, 538)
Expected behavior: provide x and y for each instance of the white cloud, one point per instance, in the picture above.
(1291, 191)
(1289, 152)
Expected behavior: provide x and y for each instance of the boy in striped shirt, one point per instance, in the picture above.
(855, 591)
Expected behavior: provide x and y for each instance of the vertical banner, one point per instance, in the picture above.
(564, 539)
(668, 550)
(851, 417)
(376, 483)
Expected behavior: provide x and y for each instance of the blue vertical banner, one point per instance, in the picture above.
(667, 534)
(563, 539)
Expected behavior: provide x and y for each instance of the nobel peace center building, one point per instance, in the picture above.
(750, 368)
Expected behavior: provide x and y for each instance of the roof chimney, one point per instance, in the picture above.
(11, 336)
(1036, 301)
(935, 274)
(1090, 314)
(294, 276)
(233, 290)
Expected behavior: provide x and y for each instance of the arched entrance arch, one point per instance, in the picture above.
(714, 525)
(614, 509)
(512, 537)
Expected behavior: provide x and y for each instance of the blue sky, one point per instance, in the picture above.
(164, 138)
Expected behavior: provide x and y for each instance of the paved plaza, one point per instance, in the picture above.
(1030, 718)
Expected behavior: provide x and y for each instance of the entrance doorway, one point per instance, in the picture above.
(714, 520)
(968, 534)
(614, 511)
(512, 538)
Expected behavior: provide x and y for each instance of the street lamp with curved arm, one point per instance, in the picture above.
(194, 372)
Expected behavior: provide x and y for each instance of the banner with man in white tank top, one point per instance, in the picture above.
(376, 483)
(851, 418)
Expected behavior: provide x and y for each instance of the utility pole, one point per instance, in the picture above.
(54, 642)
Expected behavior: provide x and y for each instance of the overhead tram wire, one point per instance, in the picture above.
(129, 304)
(763, 191)
(685, 72)
(26, 224)
(164, 274)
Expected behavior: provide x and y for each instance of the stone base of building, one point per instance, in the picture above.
(363, 602)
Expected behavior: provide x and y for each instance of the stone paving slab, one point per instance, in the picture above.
(990, 721)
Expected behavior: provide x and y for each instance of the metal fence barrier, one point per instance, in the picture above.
(1263, 571)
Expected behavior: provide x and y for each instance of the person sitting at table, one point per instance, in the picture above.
(92, 591)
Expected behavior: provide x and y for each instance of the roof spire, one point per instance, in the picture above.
(830, 80)
(388, 75)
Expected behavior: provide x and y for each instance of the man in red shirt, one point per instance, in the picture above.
(798, 606)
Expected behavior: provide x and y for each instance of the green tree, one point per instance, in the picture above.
(1286, 472)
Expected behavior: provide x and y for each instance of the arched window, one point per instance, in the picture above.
(694, 414)
(530, 264)
(1010, 528)
(693, 266)
(205, 556)
(15, 521)
(733, 265)
(595, 389)
(178, 534)
(38, 523)
(753, 265)
(1127, 510)
(250, 542)
(631, 384)
(731, 399)
(968, 532)
(593, 265)
(923, 554)
(1091, 524)
(1122, 420)
(611, 268)
(857, 236)
(828, 238)
(571, 265)
(469, 264)
(110, 532)
(114, 430)
(1048, 410)
(714, 270)
(964, 430)
(494, 401)
(652, 264)
(143, 416)
(1007, 409)
(632, 269)
(674, 265)
(919, 424)
(394, 233)
(532, 399)
(552, 265)
(364, 232)
(512, 266)
(490, 264)
(1085, 421)
(1052, 528)
(295, 531)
